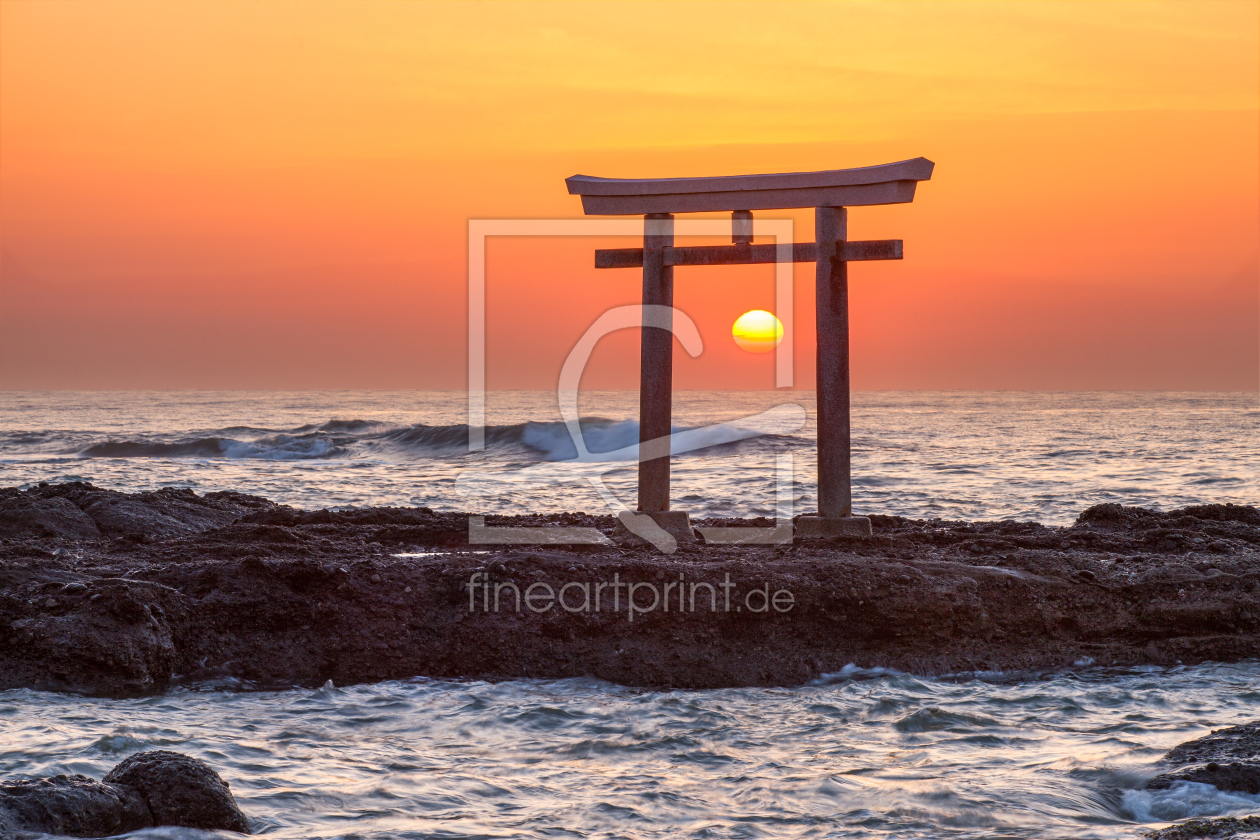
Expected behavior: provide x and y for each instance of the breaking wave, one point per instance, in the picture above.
(605, 439)
(274, 449)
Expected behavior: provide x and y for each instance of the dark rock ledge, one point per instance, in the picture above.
(116, 593)
(149, 789)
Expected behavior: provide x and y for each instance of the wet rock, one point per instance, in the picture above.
(1218, 520)
(71, 805)
(180, 790)
(149, 789)
(23, 515)
(1228, 759)
(1224, 513)
(1222, 745)
(165, 512)
(82, 511)
(118, 641)
(1221, 827)
(1114, 516)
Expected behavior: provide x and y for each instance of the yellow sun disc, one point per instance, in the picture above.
(757, 331)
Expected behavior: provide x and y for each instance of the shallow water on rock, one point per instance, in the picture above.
(859, 754)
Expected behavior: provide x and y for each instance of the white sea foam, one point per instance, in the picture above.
(620, 441)
(1184, 800)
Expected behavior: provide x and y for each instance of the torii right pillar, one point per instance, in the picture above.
(831, 299)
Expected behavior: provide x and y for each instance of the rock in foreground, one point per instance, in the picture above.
(1221, 827)
(1228, 759)
(149, 789)
(180, 791)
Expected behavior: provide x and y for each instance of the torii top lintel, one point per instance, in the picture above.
(889, 183)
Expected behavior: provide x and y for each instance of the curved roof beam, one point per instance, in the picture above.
(889, 183)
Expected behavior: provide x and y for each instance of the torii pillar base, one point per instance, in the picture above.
(822, 527)
(676, 523)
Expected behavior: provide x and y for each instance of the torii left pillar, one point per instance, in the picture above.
(656, 364)
(656, 385)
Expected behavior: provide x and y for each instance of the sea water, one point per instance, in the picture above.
(955, 455)
(857, 754)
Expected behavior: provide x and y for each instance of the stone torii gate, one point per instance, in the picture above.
(829, 193)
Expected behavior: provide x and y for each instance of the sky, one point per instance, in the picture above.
(278, 194)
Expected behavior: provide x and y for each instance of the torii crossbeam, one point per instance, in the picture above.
(829, 193)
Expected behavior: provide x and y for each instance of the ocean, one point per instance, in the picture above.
(1042, 456)
(861, 753)
(857, 754)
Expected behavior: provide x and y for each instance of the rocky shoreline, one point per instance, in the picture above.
(112, 593)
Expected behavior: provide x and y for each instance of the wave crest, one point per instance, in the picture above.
(605, 439)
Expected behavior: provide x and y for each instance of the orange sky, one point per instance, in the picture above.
(276, 195)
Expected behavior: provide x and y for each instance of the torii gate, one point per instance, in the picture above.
(829, 193)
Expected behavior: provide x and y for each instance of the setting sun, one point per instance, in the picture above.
(757, 331)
